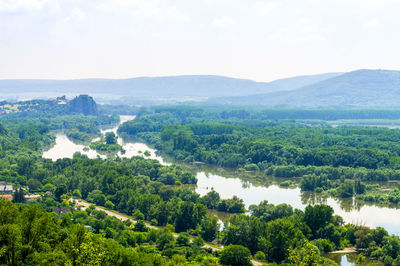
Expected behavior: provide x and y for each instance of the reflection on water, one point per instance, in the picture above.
(349, 259)
(222, 216)
(308, 197)
(251, 187)
(227, 187)
(347, 204)
(65, 148)
(352, 211)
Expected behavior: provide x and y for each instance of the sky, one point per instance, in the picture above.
(261, 40)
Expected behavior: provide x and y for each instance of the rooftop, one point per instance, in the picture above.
(7, 197)
(6, 188)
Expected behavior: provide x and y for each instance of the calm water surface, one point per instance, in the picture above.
(251, 193)
(349, 259)
(65, 148)
(228, 183)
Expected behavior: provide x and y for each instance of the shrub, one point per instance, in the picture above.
(235, 255)
(260, 256)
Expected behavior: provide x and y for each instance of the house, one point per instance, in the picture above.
(60, 210)
(7, 189)
(31, 196)
(7, 197)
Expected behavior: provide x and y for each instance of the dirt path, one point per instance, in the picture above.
(123, 217)
(345, 250)
(118, 215)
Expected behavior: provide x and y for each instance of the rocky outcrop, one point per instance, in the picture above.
(83, 104)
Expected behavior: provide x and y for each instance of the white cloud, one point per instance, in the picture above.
(278, 35)
(12, 6)
(381, 2)
(371, 24)
(264, 8)
(77, 15)
(305, 30)
(148, 9)
(223, 22)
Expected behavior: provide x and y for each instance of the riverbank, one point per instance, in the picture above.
(229, 183)
(123, 217)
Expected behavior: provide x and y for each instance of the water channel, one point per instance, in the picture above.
(228, 183)
(65, 148)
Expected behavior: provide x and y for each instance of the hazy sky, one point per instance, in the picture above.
(255, 39)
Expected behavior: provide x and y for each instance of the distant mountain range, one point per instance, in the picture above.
(361, 88)
(206, 86)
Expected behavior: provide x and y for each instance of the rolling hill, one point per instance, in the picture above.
(360, 88)
(172, 87)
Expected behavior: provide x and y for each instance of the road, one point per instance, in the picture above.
(122, 217)
(114, 214)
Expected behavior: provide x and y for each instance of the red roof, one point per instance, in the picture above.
(7, 197)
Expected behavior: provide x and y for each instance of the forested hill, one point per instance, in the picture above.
(361, 88)
(206, 86)
(82, 104)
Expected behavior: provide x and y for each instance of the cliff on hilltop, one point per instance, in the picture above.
(83, 104)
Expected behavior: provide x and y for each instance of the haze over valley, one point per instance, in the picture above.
(355, 89)
(202, 133)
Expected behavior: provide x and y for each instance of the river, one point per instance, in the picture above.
(65, 148)
(228, 183)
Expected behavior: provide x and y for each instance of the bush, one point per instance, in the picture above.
(235, 255)
(324, 245)
(260, 256)
(360, 259)
(140, 226)
(183, 240)
(198, 241)
(76, 193)
(109, 205)
(138, 214)
(286, 183)
(251, 167)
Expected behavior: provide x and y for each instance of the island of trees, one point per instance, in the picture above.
(165, 221)
(338, 161)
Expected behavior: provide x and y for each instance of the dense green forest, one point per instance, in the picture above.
(338, 160)
(31, 236)
(172, 220)
(137, 186)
